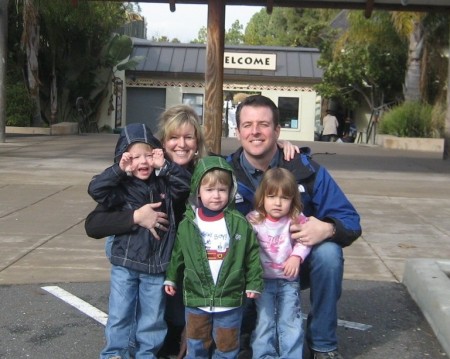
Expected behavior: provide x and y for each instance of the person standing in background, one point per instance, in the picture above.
(330, 127)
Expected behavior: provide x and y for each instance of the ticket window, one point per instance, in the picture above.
(289, 110)
(194, 100)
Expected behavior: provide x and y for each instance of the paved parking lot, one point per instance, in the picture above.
(403, 199)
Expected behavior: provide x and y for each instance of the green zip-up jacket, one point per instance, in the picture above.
(241, 269)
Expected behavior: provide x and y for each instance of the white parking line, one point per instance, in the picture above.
(78, 303)
(102, 317)
(347, 324)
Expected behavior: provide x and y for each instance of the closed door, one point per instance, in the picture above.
(145, 106)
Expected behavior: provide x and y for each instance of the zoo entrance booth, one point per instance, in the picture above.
(169, 74)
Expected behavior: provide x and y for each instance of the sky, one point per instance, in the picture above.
(187, 20)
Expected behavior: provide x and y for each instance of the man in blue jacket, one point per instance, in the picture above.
(333, 221)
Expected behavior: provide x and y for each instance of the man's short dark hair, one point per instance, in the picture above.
(258, 101)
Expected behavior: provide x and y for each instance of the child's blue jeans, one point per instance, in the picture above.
(135, 295)
(278, 332)
(204, 327)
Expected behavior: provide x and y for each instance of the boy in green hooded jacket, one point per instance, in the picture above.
(216, 254)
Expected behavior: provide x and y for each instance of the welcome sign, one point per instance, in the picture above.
(248, 61)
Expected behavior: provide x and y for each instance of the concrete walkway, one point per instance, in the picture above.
(403, 198)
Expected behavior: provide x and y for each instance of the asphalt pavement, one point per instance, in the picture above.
(403, 198)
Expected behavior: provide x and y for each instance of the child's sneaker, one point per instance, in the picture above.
(329, 355)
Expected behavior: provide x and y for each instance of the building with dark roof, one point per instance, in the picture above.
(174, 73)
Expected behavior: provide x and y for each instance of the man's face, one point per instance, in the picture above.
(257, 133)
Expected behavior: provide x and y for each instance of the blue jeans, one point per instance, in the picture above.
(323, 272)
(108, 246)
(135, 296)
(203, 327)
(278, 332)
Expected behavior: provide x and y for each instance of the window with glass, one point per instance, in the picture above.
(195, 100)
(289, 110)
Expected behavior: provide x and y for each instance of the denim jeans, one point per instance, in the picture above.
(135, 297)
(204, 327)
(108, 246)
(278, 332)
(323, 271)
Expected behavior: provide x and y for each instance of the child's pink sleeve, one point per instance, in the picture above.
(299, 249)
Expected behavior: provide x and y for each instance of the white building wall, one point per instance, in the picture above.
(306, 116)
(175, 90)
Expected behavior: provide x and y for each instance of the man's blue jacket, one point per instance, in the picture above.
(320, 194)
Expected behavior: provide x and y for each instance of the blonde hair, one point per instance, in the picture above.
(215, 176)
(177, 116)
(275, 181)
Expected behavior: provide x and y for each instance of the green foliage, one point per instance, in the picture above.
(165, 39)
(234, 35)
(437, 32)
(201, 37)
(71, 42)
(118, 49)
(366, 63)
(19, 105)
(413, 119)
(289, 27)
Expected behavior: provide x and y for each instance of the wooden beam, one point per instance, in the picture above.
(369, 9)
(172, 5)
(388, 5)
(269, 7)
(214, 75)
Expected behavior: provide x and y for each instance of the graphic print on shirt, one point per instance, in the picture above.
(270, 255)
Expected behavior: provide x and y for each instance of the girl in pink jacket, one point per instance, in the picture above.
(278, 330)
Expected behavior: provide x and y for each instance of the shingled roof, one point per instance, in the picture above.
(189, 60)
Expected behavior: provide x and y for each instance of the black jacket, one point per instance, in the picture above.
(136, 248)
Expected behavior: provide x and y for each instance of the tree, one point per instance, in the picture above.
(409, 25)
(289, 27)
(367, 62)
(202, 36)
(234, 35)
(30, 43)
(3, 56)
(70, 52)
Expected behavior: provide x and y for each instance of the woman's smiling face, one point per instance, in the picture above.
(181, 145)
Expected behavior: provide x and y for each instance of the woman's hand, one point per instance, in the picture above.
(289, 149)
(149, 218)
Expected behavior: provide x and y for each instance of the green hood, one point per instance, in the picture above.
(204, 165)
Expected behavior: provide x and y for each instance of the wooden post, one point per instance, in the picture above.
(446, 153)
(3, 57)
(214, 75)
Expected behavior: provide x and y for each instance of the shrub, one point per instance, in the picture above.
(19, 105)
(413, 119)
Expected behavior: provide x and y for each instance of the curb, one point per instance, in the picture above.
(428, 283)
